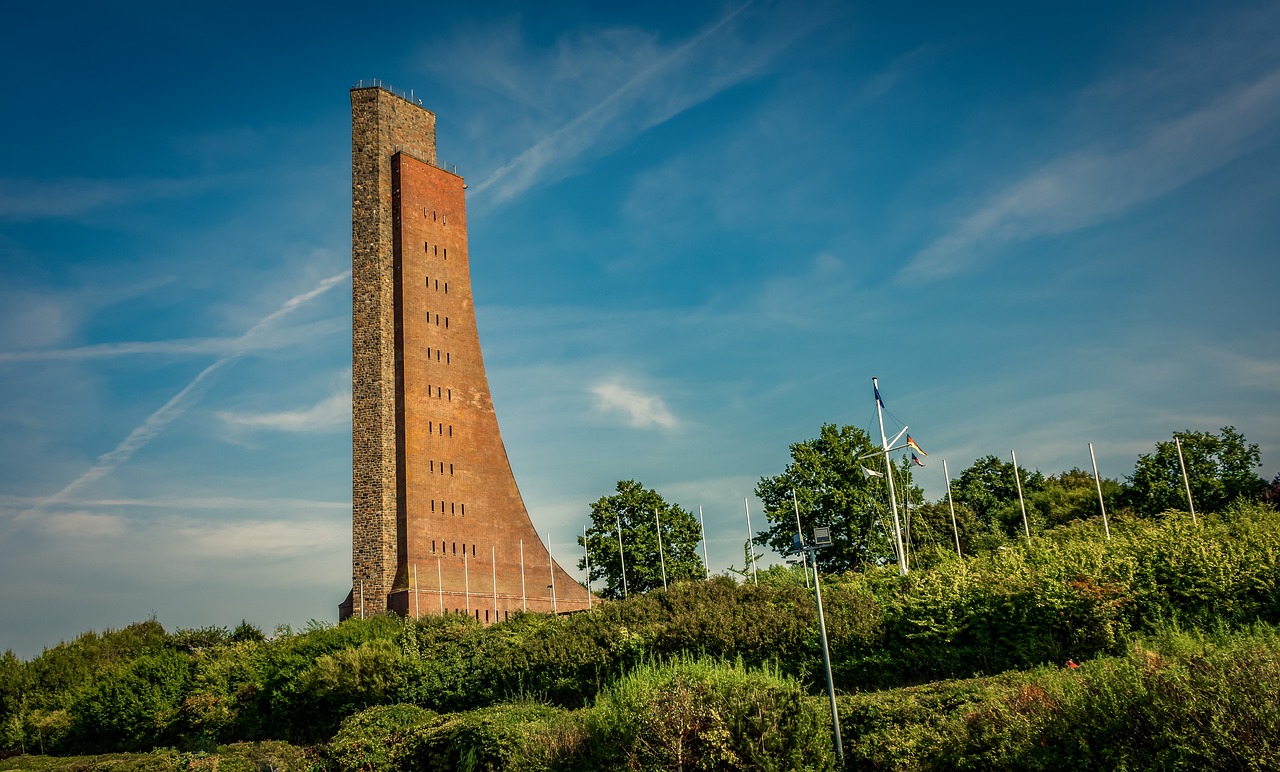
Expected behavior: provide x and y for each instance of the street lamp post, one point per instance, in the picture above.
(821, 539)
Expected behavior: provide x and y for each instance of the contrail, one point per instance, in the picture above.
(180, 402)
(543, 152)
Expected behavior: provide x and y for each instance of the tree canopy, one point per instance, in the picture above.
(1220, 469)
(832, 489)
(638, 511)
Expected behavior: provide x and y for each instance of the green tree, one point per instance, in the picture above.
(989, 489)
(832, 490)
(1220, 467)
(633, 507)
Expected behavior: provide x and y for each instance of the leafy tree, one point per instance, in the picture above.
(634, 507)
(989, 489)
(1220, 468)
(832, 490)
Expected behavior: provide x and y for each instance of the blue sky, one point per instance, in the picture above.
(697, 230)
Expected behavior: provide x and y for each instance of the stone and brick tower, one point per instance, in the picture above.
(433, 495)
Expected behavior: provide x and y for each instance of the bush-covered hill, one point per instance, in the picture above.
(717, 673)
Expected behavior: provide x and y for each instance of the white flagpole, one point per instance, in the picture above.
(493, 560)
(1186, 481)
(551, 564)
(893, 494)
(750, 544)
(362, 599)
(800, 531)
(1017, 478)
(662, 560)
(416, 610)
(906, 510)
(466, 576)
(440, 584)
(954, 528)
(1098, 481)
(622, 558)
(706, 564)
(587, 556)
(524, 597)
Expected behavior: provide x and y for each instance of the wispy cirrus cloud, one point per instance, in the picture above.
(639, 409)
(184, 399)
(23, 200)
(228, 346)
(330, 413)
(1084, 188)
(632, 80)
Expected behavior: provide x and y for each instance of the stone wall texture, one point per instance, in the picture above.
(438, 524)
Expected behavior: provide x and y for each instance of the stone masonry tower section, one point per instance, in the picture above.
(438, 524)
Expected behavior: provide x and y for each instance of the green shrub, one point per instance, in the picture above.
(374, 739)
(700, 714)
(523, 737)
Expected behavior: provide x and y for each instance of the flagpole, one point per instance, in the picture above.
(622, 559)
(586, 553)
(751, 547)
(440, 584)
(661, 559)
(416, 610)
(706, 564)
(524, 596)
(1186, 481)
(1017, 478)
(888, 465)
(551, 564)
(493, 560)
(1098, 480)
(800, 531)
(466, 578)
(906, 511)
(954, 528)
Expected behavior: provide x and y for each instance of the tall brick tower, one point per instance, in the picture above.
(433, 496)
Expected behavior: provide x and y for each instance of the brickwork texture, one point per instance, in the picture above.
(438, 524)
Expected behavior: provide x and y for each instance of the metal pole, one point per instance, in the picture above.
(893, 494)
(1017, 478)
(621, 557)
(706, 564)
(751, 547)
(416, 610)
(661, 560)
(466, 576)
(800, 531)
(826, 662)
(493, 559)
(1186, 481)
(954, 528)
(362, 599)
(440, 584)
(906, 509)
(1098, 481)
(587, 557)
(524, 597)
(551, 563)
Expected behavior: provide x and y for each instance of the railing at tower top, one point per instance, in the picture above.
(411, 152)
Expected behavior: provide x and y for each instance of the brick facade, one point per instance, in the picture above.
(433, 495)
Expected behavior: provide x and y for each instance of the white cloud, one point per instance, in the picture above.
(30, 199)
(83, 525)
(330, 413)
(177, 405)
(236, 346)
(257, 538)
(644, 85)
(1084, 188)
(639, 409)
